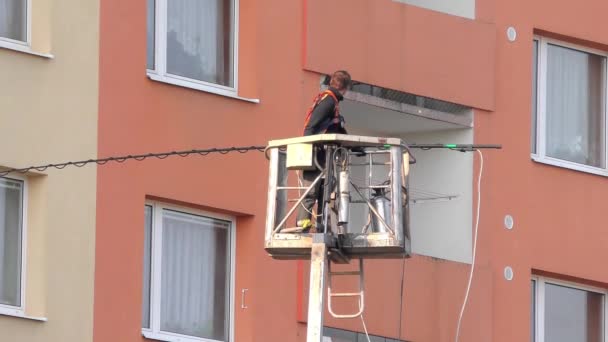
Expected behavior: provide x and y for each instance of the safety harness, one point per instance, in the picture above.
(323, 126)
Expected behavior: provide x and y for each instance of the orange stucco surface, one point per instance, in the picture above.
(559, 213)
(404, 47)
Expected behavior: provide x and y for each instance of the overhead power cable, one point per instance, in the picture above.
(204, 152)
(456, 147)
(137, 157)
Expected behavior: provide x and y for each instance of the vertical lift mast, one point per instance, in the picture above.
(386, 234)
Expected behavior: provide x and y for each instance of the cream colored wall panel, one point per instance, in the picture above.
(48, 113)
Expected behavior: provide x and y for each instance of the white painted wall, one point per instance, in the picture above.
(440, 229)
(461, 8)
(443, 229)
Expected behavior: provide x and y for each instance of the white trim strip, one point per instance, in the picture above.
(570, 165)
(20, 314)
(29, 10)
(167, 337)
(209, 89)
(23, 48)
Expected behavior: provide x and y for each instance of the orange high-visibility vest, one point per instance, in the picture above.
(320, 97)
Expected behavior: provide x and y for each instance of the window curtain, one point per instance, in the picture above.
(195, 273)
(199, 40)
(534, 118)
(575, 107)
(4, 297)
(13, 19)
(10, 242)
(147, 267)
(150, 32)
(533, 311)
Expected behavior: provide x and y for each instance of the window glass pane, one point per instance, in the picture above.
(147, 267)
(195, 276)
(151, 30)
(11, 211)
(575, 106)
(534, 94)
(361, 337)
(572, 315)
(13, 19)
(338, 335)
(200, 40)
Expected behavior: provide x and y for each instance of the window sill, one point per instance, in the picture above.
(20, 314)
(23, 49)
(570, 165)
(169, 338)
(208, 89)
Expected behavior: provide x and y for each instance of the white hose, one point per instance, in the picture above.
(466, 296)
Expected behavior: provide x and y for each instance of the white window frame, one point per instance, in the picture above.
(160, 56)
(154, 331)
(539, 304)
(23, 46)
(19, 310)
(541, 107)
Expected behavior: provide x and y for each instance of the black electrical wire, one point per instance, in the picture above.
(136, 157)
(204, 152)
(401, 297)
(456, 147)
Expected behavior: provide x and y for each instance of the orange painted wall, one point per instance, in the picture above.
(139, 115)
(558, 212)
(405, 48)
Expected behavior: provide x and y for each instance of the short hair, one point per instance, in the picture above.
(340, 80)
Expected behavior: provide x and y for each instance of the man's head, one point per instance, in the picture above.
(341, 81)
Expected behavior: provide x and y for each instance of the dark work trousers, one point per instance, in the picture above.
(315, 195)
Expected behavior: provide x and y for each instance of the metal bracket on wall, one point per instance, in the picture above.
(243, 292)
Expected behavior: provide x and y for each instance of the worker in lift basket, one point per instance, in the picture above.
(322, 117)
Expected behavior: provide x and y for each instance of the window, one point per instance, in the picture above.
(569, 116)
(16, 32)
(14, 22)
(188, 275)
(566, 312)
(339, 335)
(11, 245)
(192, 43)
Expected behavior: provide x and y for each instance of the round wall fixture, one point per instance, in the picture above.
(508, 273)
(511, 33)
(508, 222)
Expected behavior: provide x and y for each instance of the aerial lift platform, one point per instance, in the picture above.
(334, 239)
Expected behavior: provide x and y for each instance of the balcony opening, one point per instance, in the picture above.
(441, 182)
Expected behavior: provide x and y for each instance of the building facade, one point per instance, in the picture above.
(172, 249)
(49, 53)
